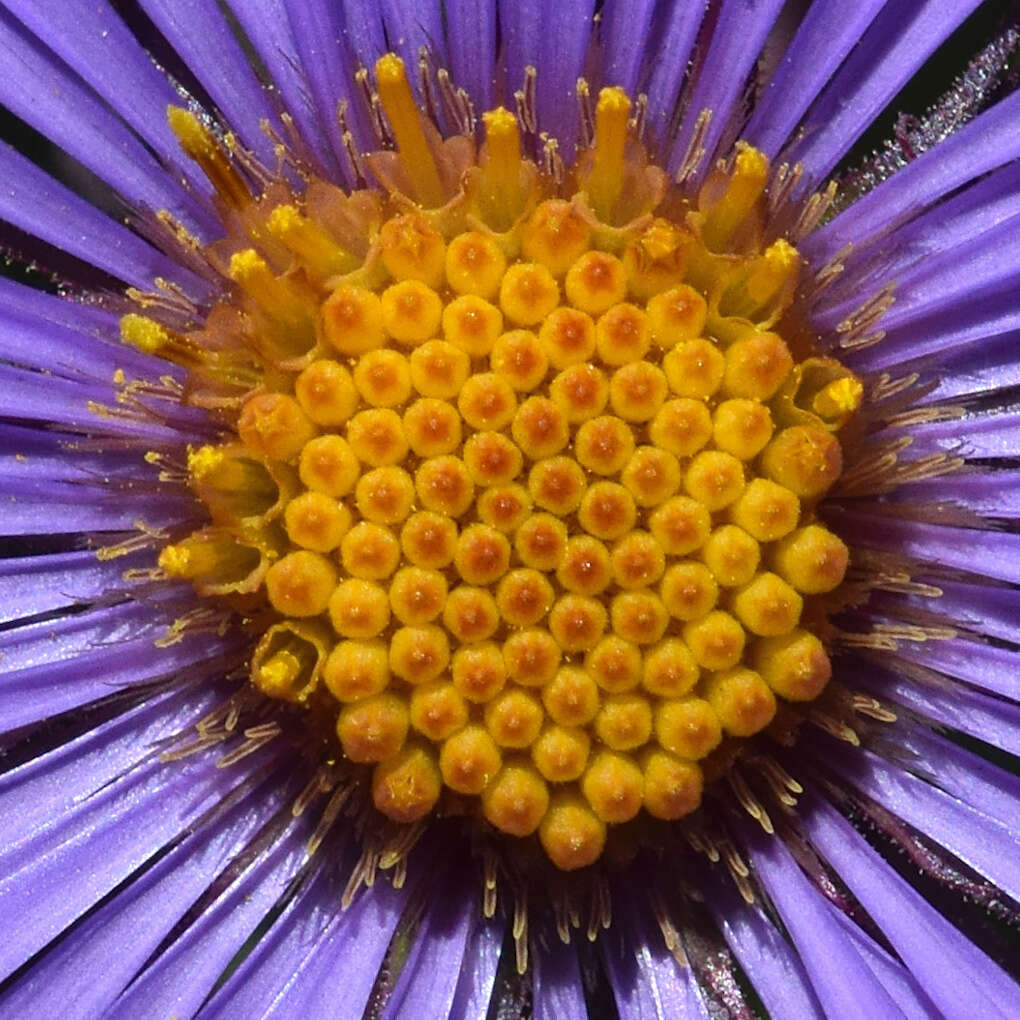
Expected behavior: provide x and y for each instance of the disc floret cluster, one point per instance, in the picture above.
(519, 480)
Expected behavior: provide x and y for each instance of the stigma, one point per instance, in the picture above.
(521, 472)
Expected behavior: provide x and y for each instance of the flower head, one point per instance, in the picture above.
(500, 494)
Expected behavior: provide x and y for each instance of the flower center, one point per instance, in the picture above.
(522, 475)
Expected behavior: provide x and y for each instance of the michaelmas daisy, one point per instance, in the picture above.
(508, 510)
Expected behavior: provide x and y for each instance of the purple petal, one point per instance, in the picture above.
(989, 493)
(471, 36)
(899, 41)
(993, 669)
(478, 971)
(314, 955)
(922, 938)
(670, 58)
(829, 31)
(556, 981)
(625, 43)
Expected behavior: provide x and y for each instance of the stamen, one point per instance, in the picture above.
(405, 120)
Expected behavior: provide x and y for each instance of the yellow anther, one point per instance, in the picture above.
(532, 657)
(673, 787)
(795, 665)
(615, 664)
(839, 399)
(429, 539)
(198, 142)
(637, 391)
(405, 121)
(438, 369)
(369, 551)
(475, 265)
(419, 654)
(680, 525)
(757, 366)
(766, 511)
(412, 249)
(768, 606)
(177, 561)
(352, 320)
(328, 465)
(492, 459)
(528, 293)
(472, 324)
(742, 700)
(688, 727)
(577, 622)
(586, 568)
(541, 541)
(518, 357)
(639, 616)
(385, 495)
(516, 800)
(214, 560)
(432, 427)
(717, 640)
(144, 333)
(604, 444)
(514, 718)
(407, 786)
(483, 554)
(469, 760)
(276, 297)
(374, 728)
(326, 392)
(715, 479)
(688, 590)
(669, 669)
(624, 722)
(471, 614)
(309, 242)
(204, 462)
(742, 192)
(805, 459)
(613, 786)
(357, 669)
(732, 555)
(540, 428)
(359, 609)
(606, 181)
(444, 485)
(411, 312)
(301, 583)
(676, 315)
(812, 559)
(638, 560)
(487, 402)
(694, 368)
(437, 710)
(272, 425)
(596, 282)
(572, 699)
(555, 235)
(524, 596)
(571, 834)
(505, 507)
(561, 753)
(607, 511)
(742, 427)
(502, 167)
(478, 671)
(316, 521)
(768, 287)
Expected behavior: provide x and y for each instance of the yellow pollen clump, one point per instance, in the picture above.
(516, 478)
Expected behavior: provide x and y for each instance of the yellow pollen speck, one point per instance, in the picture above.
(526, 495)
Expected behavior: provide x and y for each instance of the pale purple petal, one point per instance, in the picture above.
(556, 981)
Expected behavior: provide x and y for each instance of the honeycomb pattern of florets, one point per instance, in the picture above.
(541, 538)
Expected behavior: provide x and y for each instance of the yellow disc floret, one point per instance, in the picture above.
(521, 477)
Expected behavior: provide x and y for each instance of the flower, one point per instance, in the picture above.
(211, 801)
